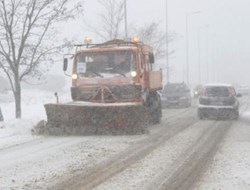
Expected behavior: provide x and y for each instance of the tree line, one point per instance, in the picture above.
(28, 28)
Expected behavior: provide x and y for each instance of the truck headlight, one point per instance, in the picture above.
(74, 76)
(133, 73)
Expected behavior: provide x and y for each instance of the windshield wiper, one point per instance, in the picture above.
(96, 73)
(119, 72)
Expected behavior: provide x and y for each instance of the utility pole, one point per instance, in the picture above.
(199, 52)
(187, 43)
(125, 15)
(199, 57)
(167, 59)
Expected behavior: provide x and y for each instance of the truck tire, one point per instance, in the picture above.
(235, 115)
(154, 106)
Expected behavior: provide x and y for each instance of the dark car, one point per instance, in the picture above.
(218, 101)
(176, 94)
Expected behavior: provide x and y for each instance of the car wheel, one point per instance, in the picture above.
(200, 115)
(236, 115)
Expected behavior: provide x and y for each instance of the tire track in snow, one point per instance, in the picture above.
(104, 171)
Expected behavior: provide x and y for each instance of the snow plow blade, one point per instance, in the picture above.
(81, 118)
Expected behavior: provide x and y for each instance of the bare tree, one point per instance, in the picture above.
(109, 26)
(153, 35)
(109, 20)
(25, 37)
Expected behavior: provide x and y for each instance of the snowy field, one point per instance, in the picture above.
(46, 158)
(12, 130)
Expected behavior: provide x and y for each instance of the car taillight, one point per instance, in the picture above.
(231, 91)
(202, 92)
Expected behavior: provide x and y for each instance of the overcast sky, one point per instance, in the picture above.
(224, 35)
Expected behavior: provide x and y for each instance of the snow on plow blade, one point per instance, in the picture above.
(81, 118)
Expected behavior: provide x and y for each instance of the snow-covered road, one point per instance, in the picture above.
(230, 169)
(124, 162)
(37, 162)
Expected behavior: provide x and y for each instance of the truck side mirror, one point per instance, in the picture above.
(151, 58)
(65, 64)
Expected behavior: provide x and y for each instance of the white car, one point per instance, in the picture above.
(218, 100)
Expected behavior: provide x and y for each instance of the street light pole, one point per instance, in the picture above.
(187, 43)
(167, 59)
(199, 53)
(199, 57)
(187, 55)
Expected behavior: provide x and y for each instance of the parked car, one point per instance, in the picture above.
(218, 101)
(176, 94)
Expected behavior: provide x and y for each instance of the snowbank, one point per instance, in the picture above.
(32, 110)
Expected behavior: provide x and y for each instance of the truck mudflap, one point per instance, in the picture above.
(84, 118)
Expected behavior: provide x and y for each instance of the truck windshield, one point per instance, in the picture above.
(105, 64)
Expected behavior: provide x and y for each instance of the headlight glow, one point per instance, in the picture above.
(74, 76)
(133, 73)
(135, 39)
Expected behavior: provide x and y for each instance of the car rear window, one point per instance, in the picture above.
(175, 88)
(217, 91)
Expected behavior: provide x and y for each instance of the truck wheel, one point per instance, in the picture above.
(156, 117)
(154, 108)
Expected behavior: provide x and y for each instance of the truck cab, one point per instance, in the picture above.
(115, 71)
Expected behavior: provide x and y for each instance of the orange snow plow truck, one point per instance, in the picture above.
(114, 91)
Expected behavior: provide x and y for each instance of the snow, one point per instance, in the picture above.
(32, 162)
(14, 131)
(230, 168)
(160, 160)
(218, 84)
(51, 158)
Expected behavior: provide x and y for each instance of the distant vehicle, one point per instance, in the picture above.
(1, 115)
(197, 91)
(176, 94)
(218, 100)
(243, 90)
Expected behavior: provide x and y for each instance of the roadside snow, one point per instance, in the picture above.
(32, 162)
(38, 164)
(230, 169)
(15, 131)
